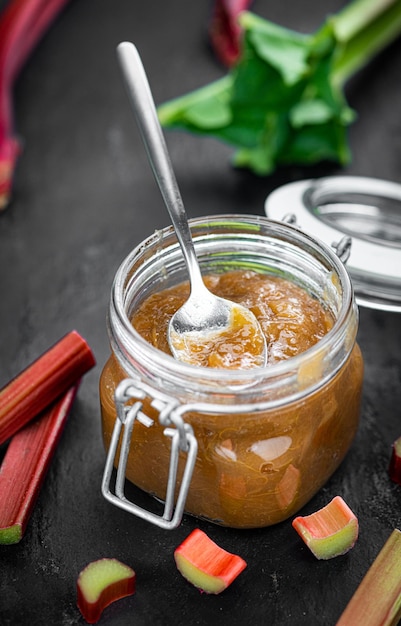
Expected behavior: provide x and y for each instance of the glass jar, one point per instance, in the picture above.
(262, 442)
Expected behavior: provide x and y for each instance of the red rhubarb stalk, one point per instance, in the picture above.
(377, 600)
(225, 30)
(330, 531)
(22, 25)
(102, 582)
(204, 564)
(25, 465)
(42, 382)
(394, 469)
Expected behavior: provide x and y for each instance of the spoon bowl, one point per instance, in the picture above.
(206, 323)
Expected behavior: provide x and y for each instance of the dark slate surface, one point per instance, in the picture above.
(84, 196)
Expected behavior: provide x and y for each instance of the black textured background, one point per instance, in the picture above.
(84, 197)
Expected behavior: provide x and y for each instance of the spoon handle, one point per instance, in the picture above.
(148, 122)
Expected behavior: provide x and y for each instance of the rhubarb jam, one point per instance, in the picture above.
(268, 438)
(240, 344)
(290, 319)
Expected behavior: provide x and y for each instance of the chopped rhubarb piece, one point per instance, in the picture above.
(394, 469)
(204, 564)
(42, 382)
(22, 25)
(102, 582)
(329, 532)
(288, 486)
(25, 465)
(377, 600)
(225, 30)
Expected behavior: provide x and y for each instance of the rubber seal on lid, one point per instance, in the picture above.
(366, 209)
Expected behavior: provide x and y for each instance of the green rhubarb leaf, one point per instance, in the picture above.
(277, 105)
(310, 112)
(262, 155)
(283, 102)
(215, 111)
(317, 142)
(204, 110)
(285, 50)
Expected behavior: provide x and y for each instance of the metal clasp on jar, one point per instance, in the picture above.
(342, 248)
(182, 439)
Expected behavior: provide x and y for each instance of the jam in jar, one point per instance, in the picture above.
(267, 438)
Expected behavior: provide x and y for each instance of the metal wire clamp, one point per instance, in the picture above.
(182, 439)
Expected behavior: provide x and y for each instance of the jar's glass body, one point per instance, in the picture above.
(269, 438)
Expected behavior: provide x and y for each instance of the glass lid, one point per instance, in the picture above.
(368, 210)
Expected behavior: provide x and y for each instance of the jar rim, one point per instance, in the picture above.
(123, 333)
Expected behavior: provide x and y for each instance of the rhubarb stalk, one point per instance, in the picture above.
(22, 25)
(100, 583)
(330, 531)
(283, 102)
(377, 600)
(204, 564)
(225, 31)
(42, 382)
(25, 465)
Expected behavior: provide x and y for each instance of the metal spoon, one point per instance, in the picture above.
(203, 315)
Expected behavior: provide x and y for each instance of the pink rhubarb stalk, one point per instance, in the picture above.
(330, 531)
(25, 465)
(22, 25)
(42, 382)
(377, 600)
(102, 582)
(225, 30)
(204, 564)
